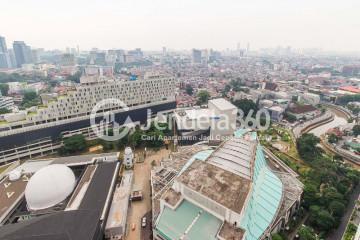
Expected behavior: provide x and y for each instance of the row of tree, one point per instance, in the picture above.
(30, 99)
(327, 184)
(344, 100)
(4, 89)
(153, 137)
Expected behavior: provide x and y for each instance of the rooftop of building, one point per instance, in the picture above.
(276, 109)
(299, 109)
(81, 187)
(171, 197)
(350, 89)
(82, 159)
(270, 86)
(213, 182)
(65, 225)
(188, 221)
(177, 160)
(273, 188)
(11, 192)
(229, 232)
(32, 166)
(119, 207)
(235, 155)
(222, 104)
(264, 201)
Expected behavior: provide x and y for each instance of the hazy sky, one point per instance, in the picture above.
(182, 24)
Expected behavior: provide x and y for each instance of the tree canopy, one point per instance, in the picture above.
(30, 99)
(306, 233)
(356, 130)
(12, 77)
(327, 185)
(333, 138)
(203, 96)
(4, 110)
(75, 77)
(189, 89)
(246, 105)
(344, 100)
(289, 117)
(276, 236)
(307, 146)
(4, 89)
(73, 144)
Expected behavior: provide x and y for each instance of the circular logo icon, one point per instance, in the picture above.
(103, 121)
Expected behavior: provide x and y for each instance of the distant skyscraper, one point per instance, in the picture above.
(35, 56)
(3, 47)
(4, 54)
(164, 51)
(214, 55)
(67, 59)
(196, 56)
(12, 58)
(22, 52)
(248, 48)
(3, 60)
(137, 54)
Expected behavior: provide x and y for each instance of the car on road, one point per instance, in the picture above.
(133, 226)
(143, 222)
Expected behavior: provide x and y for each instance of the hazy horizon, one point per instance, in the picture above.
(182, 24)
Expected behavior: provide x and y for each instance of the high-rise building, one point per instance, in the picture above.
(22, 52)
(3, 47)
(164, 51)
(4, 54)
(35, 56)
(231, 192)
(12, 58)
(214, 55)
(196, 56)
(3, 60)
(67, 59)
(135, 54)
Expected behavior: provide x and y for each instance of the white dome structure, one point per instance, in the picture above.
(49, 186)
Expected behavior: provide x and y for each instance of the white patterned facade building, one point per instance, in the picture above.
(151, 89)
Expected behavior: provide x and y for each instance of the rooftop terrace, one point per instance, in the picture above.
(10, 193)
(213, 182)
(229, 232)
(188, 221)
(236, 155)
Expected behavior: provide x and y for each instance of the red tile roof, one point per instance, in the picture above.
(299, 109)
(350, 89)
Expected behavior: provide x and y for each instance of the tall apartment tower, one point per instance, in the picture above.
(196, 56)
(22, 52)
(164, 51)
(4, 54)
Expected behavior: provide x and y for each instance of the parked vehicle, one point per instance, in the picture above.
(143, 222)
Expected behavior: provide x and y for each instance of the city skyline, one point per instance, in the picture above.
(328, 25)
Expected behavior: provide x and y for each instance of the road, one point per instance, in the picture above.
(142, 181)
(338, 233)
